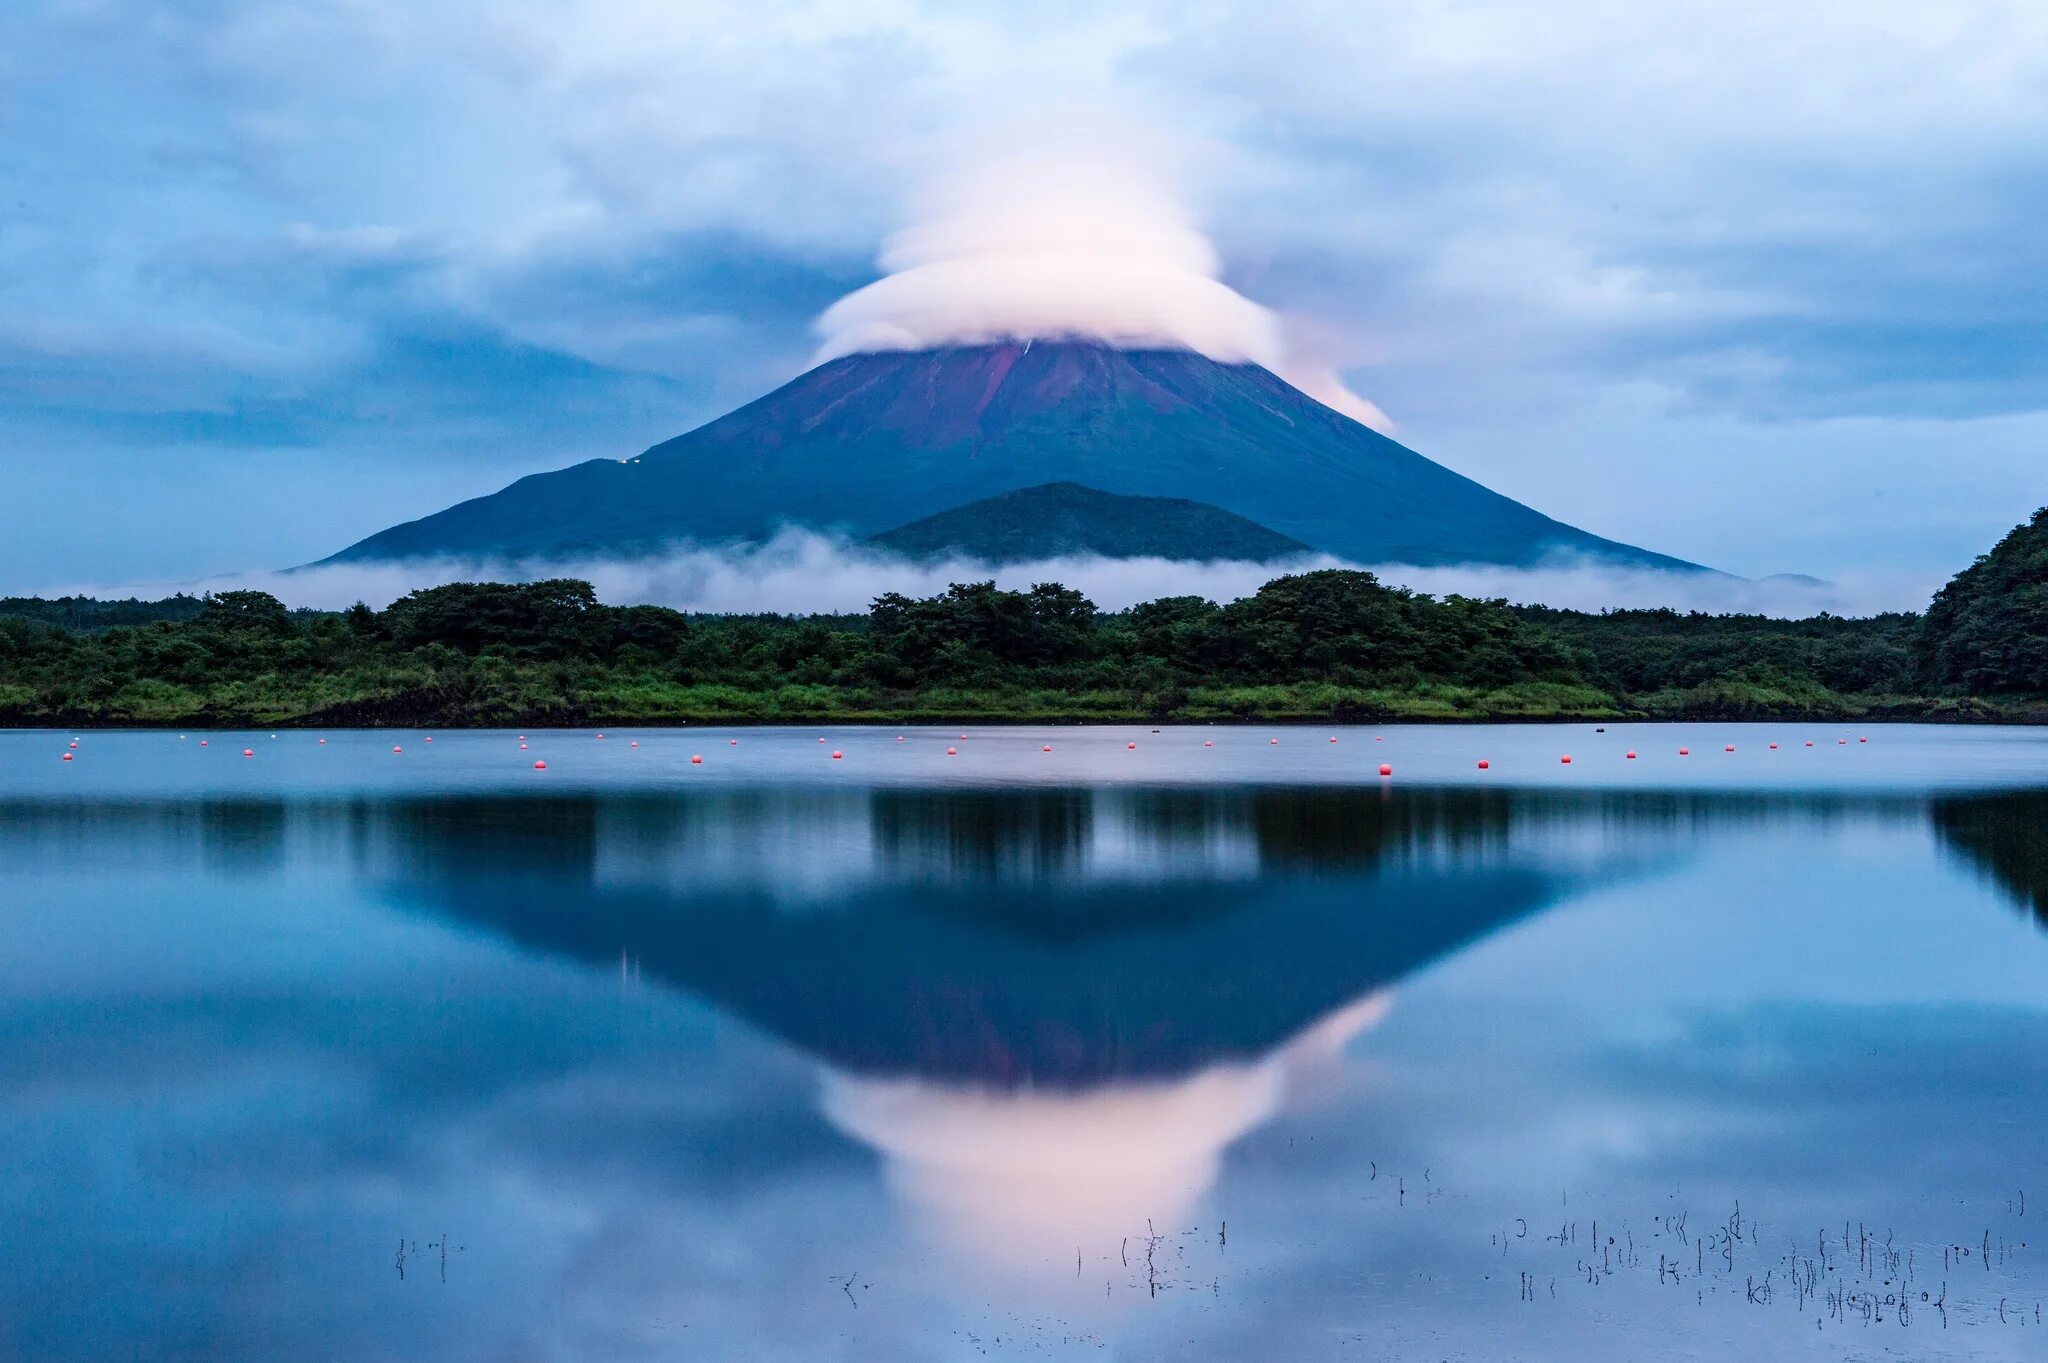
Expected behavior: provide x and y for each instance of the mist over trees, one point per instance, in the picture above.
(1327, 644)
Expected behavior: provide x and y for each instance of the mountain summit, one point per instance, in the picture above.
(867, 443)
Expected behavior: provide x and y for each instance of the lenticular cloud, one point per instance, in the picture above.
(1073, 245)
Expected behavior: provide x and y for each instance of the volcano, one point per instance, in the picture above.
(867, 443)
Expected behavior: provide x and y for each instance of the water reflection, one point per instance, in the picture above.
(1085, 1000)
(2003, 837)
(1047, 1017)
(1068, 943)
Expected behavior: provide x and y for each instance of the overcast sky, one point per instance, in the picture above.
(1759, 285)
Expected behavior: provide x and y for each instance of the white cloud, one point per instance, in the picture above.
(1061, 238)
(800, 572)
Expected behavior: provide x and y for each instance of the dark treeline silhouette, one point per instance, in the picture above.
(1331, 644)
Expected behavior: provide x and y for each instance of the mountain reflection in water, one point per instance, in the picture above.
(644, 1054)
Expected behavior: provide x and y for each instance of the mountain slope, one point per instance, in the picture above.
(1055, 519)
(868, 442)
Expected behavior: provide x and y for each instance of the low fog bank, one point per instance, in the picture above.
(801, 572)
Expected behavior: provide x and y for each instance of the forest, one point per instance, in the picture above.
(1332, 644)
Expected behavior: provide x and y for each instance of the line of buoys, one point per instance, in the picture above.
(1386, 769)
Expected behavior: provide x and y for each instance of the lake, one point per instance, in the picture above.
(1219, 1047)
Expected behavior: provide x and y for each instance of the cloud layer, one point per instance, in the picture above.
(800, 572)
(1066, 238)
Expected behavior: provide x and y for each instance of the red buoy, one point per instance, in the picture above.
(1483, 764)
(202, 742)
(74, 742)
(430, 737)
(1685, 752)
(1566, 760)
(522, 747)
(1862, 740)
(634, 744)
(1840, 741)
(837, 755)
(820, 740)
(67, 757)
(735, 743)
(1774, 745)
(899, 738)
(696, 760)
(396, 748)
(248, 752)
(1207, 744)
(1386, 770)
(1333, 738)
(1046, 748)
(323, 742)
(1272, 740)
(1809, 742)
(1729, 747)
(952, 752)
(1631, 755)
(540, 766)
(1130, 745)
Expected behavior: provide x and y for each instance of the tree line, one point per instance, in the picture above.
(1329, 644)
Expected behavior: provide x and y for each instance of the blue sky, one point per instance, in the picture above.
(1762, 289)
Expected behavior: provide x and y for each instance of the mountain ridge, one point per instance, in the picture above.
(1054, 520)
(869, 442)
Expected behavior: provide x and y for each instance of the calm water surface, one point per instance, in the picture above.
(1174, 1052)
